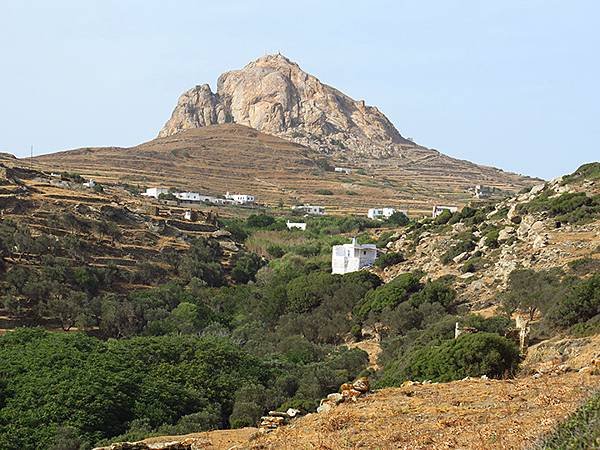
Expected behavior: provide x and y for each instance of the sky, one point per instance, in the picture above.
(511, 83)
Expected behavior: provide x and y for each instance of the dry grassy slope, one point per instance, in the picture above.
(232, 157)
(475, 414)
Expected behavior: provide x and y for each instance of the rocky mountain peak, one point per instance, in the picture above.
(274, 95)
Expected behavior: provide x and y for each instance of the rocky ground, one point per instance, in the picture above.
(527, 240)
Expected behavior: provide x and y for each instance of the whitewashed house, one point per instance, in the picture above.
(344, 170)
(296, 225)
(310, 209)
(155, 192)
(482, 191)
(437, 210)
(189, 196)
(352, 257)
(242, 199)
(380, 213)
(90, 183)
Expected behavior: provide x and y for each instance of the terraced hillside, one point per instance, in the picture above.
(111, 240)
(235, 158)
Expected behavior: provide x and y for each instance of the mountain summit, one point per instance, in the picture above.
(274, 95)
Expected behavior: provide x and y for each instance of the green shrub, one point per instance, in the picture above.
(324, 192)
(308, 291)
(495, 324)
(276, 251)
(437, 291)
(443, 218)
(589, 171)
(388, 295)
(384, 239)
(398, 218)
(491, 238)
(470, 355)
(167, 196)
(570, 207)
(245, 268)
(585, 266)
(472, 265)
(260, 221)
(466, 243)
(581, 304)
(389, 259)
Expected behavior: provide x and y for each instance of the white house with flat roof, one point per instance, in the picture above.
(437, 210)
(296, 225)
(242, 199)
(155, 192)
(189, 196)
(310, 209)
(380, 213)
(352, 257)
(344, 170)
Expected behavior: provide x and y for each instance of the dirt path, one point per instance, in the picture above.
(372, 348)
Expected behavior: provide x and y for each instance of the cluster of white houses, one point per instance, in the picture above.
(239, 199)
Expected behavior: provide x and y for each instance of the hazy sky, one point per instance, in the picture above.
(511, 83)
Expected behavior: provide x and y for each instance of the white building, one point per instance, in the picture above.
(352, 257)
(155, 192)
(90, 183)
(296, 225)
(242, 199)
(437, 210)
(189, 196)
(380, 213)
(310, 209)
(344, 170)
(482, 191)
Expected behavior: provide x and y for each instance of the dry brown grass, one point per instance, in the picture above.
(232, 157)
(478, 414)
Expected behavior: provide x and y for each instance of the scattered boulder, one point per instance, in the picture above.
(460, 258)
(540, 241)
(221, 234)
(184, 444)
(513, 215)
(349, 392)
(276, 419)
(229, 245)
(505, 234)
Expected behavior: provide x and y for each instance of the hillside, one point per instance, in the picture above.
(111, 241)
(553, 225)
(533, 257)
(236, 158)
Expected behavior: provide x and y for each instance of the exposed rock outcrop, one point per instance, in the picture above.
(274, 95)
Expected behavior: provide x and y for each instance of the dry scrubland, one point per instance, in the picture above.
(235, 158)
